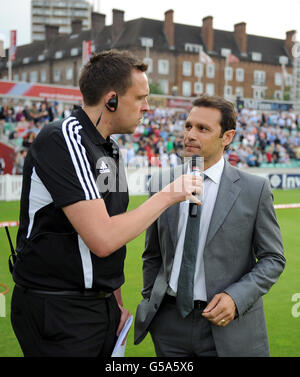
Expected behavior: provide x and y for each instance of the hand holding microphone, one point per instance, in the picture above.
(197, 168)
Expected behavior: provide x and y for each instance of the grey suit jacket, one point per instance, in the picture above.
(243, 256)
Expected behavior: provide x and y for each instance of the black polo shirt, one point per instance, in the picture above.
(69, 161)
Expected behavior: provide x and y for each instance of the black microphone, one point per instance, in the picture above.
(193, 208)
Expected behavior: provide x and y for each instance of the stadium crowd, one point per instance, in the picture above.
(262, 139)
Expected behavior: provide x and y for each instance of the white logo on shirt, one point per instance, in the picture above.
(104, 168)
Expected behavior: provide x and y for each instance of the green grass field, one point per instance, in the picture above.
(283, 328)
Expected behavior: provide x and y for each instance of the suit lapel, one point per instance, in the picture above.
(227, 195)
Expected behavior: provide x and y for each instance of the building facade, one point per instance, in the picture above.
(237, 65)
(59, 13)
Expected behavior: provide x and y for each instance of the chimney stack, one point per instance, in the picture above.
(76, 26)
(118, 23)
(51, 34)
(289, 41)
(208, 32)
(169, 29)
(98, 23)
(241, 36)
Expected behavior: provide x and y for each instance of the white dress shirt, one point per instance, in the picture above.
(210, 191)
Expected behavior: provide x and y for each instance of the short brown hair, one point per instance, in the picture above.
(105, 71)
(228, 114)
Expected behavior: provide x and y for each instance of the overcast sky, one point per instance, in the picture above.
(263, 17)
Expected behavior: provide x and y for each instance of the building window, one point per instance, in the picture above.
(210, 71)
(228, 91)
(283, 60)
(256, 56)
(149, 61)
(74, 51)
(210, 89)
(163, 67)
(33, 76)
(41, 57)
(186, 89)
(26, 60)
(258, 93)
(24, 76)
(198, 88)
(43, 75)
(228, 73)
(146, 42)
(58, 54)
(198, 69)
(289, 80)
(259, 77)
(192, 47)
(164, 86)
(56, 76)
(240, 74)
(69, 73)
(278, 95)
(187, 69)
(239, 91)
(225, 52)
(278, 79)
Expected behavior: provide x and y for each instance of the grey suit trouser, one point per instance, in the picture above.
(174, 336)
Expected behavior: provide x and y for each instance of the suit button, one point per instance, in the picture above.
(155, 306)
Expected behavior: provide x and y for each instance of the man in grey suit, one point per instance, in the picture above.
(210, 303)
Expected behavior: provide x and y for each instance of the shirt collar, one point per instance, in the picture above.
(215, 172)
(89, 127)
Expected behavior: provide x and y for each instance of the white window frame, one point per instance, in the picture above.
(259, 77)
(164, 86)
(33, 76)
(187, 68)
(239, 91)
(56, 74)
(198, 88)
(186, 88)
(228, 72)
(24, 76)
(58, 54)
(240, 74)
(227, 90)
(69, 73)
(43, 75)
(278, 78)
(258, 93)
(210, 89)
(146, 42)
(163, 66)
(256, 56)
(210, 71)
(198, 69)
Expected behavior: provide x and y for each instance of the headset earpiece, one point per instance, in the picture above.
(112, 104)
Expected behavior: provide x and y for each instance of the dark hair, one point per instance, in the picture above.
(105, 71)
(228, 114)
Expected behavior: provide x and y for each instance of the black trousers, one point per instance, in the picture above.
(64, 326)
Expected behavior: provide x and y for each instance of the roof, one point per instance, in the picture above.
(270, 48)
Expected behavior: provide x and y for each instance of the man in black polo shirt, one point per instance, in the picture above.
(73, 226)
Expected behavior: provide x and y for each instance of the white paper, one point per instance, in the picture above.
(119, 350)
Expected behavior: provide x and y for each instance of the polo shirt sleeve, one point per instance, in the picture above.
(63, 166)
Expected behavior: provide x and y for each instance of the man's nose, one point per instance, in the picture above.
(145, 106)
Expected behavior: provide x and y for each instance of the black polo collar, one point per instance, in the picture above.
(89, 127)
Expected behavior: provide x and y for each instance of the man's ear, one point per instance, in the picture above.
(228, 136)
